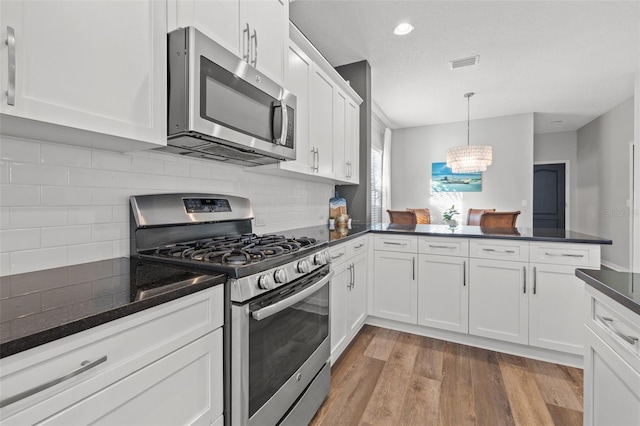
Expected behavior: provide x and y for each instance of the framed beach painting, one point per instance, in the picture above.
(444, 180)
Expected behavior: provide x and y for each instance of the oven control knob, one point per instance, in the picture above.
(320, 258)
(280, 275)
(302, 267)
(265, 282)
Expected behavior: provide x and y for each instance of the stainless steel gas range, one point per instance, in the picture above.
(277, 291)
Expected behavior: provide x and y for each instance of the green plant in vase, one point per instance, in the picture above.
(448, 214)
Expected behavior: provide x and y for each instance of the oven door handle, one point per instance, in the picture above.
(290, 301)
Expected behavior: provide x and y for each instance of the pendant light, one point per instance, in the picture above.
(469, 158)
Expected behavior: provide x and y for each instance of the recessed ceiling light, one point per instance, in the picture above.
(464, 62)
(403, 29)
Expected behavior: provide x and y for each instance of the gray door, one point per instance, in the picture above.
(549, 196)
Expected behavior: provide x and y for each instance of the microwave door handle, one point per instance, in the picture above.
(285, 122)
(290, 301)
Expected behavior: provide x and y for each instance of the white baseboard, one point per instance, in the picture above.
(482, 342)
(613, 266)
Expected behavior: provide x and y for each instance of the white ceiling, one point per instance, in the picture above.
(563, 60)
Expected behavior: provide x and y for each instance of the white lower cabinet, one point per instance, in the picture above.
(443, 294)
(395, 287)
(185, 380)
(611, 386)
(159, 366)
(348, 293)
(498, 300)
(555, 308)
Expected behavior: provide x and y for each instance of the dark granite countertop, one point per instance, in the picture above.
(623, 287)
(332, 236)
(40, 307)
(462, 231)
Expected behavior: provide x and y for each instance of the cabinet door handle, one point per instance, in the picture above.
(498, 251)
(564, 255)
(11, 45)
(353, 273)
(535, 280)
(413, 266)
(254, 37)
(246, 41)
(85, 365)
(608, 322)
(524, 279)
(318, 161)
(464, 273)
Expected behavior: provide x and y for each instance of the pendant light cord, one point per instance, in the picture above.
(468, 96)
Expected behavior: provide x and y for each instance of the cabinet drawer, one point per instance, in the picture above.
(580, 255)
(400, 243)
(357, 246)
(615, 325)
(338, 253)
(498, 249)
(128, 344)
(458, 247)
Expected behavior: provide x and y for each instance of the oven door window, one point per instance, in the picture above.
(227, 100)
(281, 343)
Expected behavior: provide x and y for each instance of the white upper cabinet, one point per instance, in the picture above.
(321, 121)
(257, 31)
(84, 72)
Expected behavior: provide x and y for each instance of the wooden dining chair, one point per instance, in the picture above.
(499, 219)
(423, 216)
(474, 215)
(402, 217)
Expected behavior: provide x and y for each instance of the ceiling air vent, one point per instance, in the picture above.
(464, 62)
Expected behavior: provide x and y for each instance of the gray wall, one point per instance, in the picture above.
(506, 183)
(603, 186)
(558, 148)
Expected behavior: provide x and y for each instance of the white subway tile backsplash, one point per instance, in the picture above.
(19, 195)
(131, 180)
(62, 155)
(92, 178)
(65, 196)
(83, 253)
(109, 232)
(36, 217)
(65, 235)
(4, 172)
(25, 151)
(146, 165)
(27, 173)
(19, 239)
(35, 260)
(110, 161)
(176, 169)
(87, 215)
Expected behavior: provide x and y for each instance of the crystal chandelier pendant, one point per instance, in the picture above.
(469, 158)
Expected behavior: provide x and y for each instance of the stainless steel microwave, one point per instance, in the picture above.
(221, 108)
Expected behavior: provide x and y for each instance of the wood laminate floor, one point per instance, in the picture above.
(386, 377)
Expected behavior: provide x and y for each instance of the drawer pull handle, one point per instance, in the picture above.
(394, 244)
(442, 247)
(359, 246)
(338, 256)
(85, 365)
(499, 251)
(608, 322)
(564, 255)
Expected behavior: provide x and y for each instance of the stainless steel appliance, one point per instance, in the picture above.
(278, 291)
(221, 108)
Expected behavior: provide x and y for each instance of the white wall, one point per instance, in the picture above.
(63, 205)
(603, 187)
(560, 147)
(505, 184)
